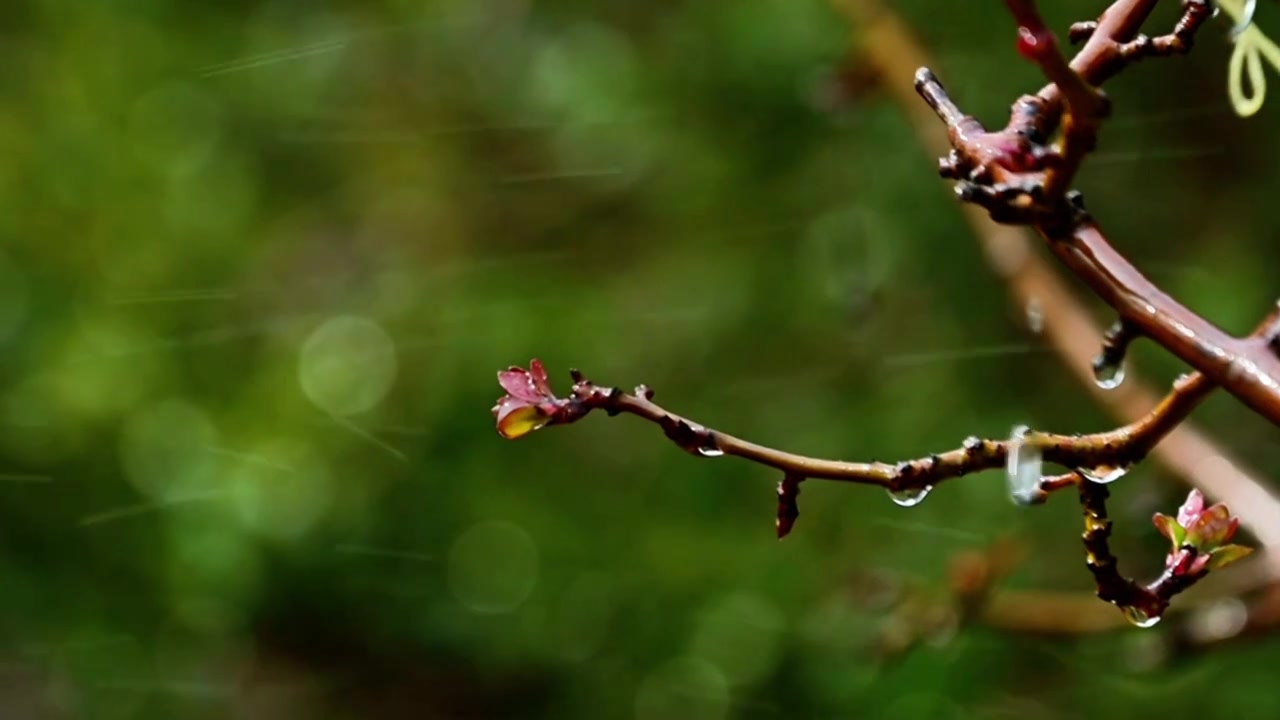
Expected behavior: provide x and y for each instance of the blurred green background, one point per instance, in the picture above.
(259, 263)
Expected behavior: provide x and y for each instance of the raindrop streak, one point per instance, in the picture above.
(1138, 618)
(133, 510)
(1103, 475)
(1108, 376)
(910, 497)
(373, 439)
(1024, 466)
(1035, 316)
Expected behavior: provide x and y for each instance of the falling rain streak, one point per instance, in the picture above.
(272, 58)
(1024, 467)
(972, 353)
(174, 297)
(129, 511)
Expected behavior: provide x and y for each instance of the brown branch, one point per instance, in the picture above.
(1143, 605)
(1103, 451)
(1248, 368)
(1086, 105)
(889, 47)
(1095, 453)
(975, 575)
(1112, 43)
(1004, 174)
(1016, 178)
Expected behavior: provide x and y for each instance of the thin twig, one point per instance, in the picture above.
(1086, 105)
(1121, 447)
(1144, 604)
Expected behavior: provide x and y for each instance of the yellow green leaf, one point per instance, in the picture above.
(1227, 554)
(522, 421)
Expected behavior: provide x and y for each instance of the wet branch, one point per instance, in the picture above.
(1144, 604)
(1018, 178)
(887, 46)
(531, 404)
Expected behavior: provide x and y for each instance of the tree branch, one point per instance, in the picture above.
(1005, 173)
(888, 46)
(1017, 178)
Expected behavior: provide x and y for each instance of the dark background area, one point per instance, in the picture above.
(259, 263)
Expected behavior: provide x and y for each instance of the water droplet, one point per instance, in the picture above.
(1104, 474)
(710, 451)
(1107, 375)
(1138, 618)
(1024, 467)
(910, 497)
(1035, 316)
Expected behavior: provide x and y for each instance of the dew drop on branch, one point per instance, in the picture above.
(1108, 375)
(1103, 475)
(710, 451)
(909, 497)
(1138, 618)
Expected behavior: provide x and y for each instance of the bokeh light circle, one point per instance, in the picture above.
(493, 567)
(688, 688)
(347, 365)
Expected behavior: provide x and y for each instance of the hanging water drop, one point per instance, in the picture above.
(710, 451)
(1024, 467)
(1104, 474)
(909, 497)
(1107, 374)
(1138, 618)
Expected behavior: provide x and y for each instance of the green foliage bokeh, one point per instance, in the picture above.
(259, 263)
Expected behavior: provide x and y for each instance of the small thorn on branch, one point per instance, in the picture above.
(788, 505)
(1195, 13)
(1081, 31)
(931, 89)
